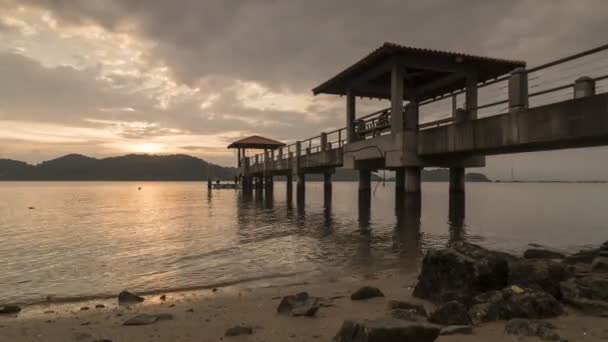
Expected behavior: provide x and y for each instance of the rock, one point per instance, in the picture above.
(366, 292)
(9, 309)
(461, 272)
(541, 253)
(456, 329)
(407, 315)
(163, 297)
(588, 294)
(239, 330)
(451, 313)
(541, 274)
(526, 327)
(600, 264)
(145, 319)
(300, 304)
(126, 297)
(99, 306)
(84, 308)
(582, 257)
(508, 304)
(400, 305)
(386, 330)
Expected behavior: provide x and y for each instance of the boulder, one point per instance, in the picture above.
(600, 264)
(386, 330)
(585, 256)
(407, 315)
(401, 305)
(541, 253)
(539, 273)
(126, 297)
(461, 272)
(508, 304)
(588, 294)
(145, 319)
(300, 304)
(527, 327)
(9, 309)
(238, 331)
(366, 292)
(451, 313)
(456, 330)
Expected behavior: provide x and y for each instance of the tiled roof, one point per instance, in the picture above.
(256, 141)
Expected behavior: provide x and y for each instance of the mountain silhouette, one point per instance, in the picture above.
(145, 167)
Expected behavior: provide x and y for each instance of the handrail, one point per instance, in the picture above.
(569, 58)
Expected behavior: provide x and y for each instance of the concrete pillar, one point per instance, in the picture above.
(396, 98)
(323, 139)
(518, 90)
(460, 115)
(301, 188)
(350, 116)
(238, 157)
(327, 189)
(289, 186)
(457, 180)
(365, 188)
(584, 87)
(412, 179)
(400, 179)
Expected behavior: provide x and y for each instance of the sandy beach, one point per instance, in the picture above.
(205, 315)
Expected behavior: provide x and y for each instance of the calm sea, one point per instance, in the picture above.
(93, 239)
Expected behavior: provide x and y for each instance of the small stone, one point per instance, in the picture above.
(300, 304)
(84, 308)
(9, 309)
(456, 329)
(126, 297)
(239, 330)
(451, 313)
(163, 297)
(366, 292)
(99, 306)
(145, 319)
(386, 330)
(517, 290)
(190, 310)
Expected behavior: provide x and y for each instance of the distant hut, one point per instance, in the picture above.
(254, 142)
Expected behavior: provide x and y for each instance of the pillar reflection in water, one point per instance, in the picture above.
(268, 198)
(364, 211)
(407, 228)
(456, 216)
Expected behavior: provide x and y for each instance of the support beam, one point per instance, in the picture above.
(396, 98)
(350, 117)
(412, 180)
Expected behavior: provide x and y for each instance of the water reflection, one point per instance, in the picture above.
(457, 209)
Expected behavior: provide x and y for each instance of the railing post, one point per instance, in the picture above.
(280, 153)
(298, 154)
(339, 138)
(257, 159)
(518, 90)
(350, 117)
(323, 141)
(584, 87)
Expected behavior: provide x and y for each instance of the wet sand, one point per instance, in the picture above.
(205, 315)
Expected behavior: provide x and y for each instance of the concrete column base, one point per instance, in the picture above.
(289, 187)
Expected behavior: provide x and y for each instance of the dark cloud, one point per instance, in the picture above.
(298, 44)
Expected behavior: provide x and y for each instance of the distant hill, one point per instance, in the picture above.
(73, 167)
(129, 167)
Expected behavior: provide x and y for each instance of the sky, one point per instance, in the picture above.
(106, 78)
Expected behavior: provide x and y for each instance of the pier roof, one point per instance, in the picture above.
(256, 142)
(428, 73)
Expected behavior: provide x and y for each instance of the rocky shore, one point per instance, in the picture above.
(462, 293)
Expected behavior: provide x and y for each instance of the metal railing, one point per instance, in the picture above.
(548, 83)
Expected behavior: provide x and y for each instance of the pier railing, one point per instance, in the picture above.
(544, 84)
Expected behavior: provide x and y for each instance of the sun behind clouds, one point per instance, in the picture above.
(148, 148)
